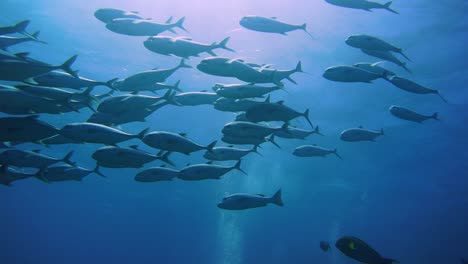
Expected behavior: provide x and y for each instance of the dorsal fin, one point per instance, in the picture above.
(209, 162)
(280, 102)
(259, 194)
(188, 164)
(134, 147)
(183, 134)
(36, 150)
(360, 127)
(267, 100)
(230, 146)
(203, 91)
(163, 166)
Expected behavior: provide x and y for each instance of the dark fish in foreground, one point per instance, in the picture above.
(360, 134)
(20, 28)
(174, 142)
(200, 172)
(7, 41)
(143, 27)
(59, 79)
(314, 151)
(242, 201)
(325, 246)
(274, 112)
(156, 174)
(131, 157)
(67, 173)
(106, 15)
(31, 159)
(25, 129)
(9, 175)
(360, 251)
(413, 87)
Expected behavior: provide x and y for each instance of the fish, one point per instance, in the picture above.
(183, 47)
(3, 146)
(241, 117)
(276, 76)
(270, 25)
(249, 140)
(388, 56)
(146, 79)
(242, 201)
(368, 42)
(360, 134)
(314, 151)
(156, 174)
(362, 4)
(199, 172)
(236, 68)
(297, 133)
(131, 157)
(350, 74)
(235, 105)
(9, 175)
(243, 91)
(20, 56)
(58, 94)
(174, 142)
(359, 250)
(59, 79)
(20, 28)
(325, 246)
(248, 129)
(97, 133)
(196, 98)
(412, 87)
(274, 112)
(58, 140)
(143, 27)
(132, 115)
(122, 103)
(152, 88)
(228, 153)
(374, 68)
(25, 129)
(31, 159)
(106, 15)
(410, 115)
(7, 41)
(67, 173)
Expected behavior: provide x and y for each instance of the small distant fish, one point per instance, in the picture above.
(7, 41)
(297, 133)
(270, 25)
(145, 80)
(235, 105)
(248, 129)
(360, 134)
(362, 4)
(20, 28)
(243, 91)
(413, 87)
(152, 88)
(143, 27)
(325, 246)
(97, 133)
(9, 175)
(106, 15)
(183, 46)
(242, 201)
(360, 251)
(410, 115)
(369, 42)
(67, 173)
(174, 142)
(314, 151)
(199, 172)
(256, 141)
(228, 153)
(65, 80)
(350, 74)
(129, 102)
(156, 174)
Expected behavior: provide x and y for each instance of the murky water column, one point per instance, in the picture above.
(230, 239)
(334, 234)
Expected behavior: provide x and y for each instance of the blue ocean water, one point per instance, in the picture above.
(404, 194)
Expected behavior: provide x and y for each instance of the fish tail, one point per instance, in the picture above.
(400, 51)
(142, 134)
(435, 116)
(110, 83)
(176, 86)
(66, 66)
(237, 167)
(166, 159)
(183, 65)
(441, 97)
(299, 67)
(387, 7)
(335, 151)
(272, 140)
(306, 116)
(276, 198)
(40, 175)
(304, 27)
(98, 172)
(381, 132)
(67, 157)
(211, 146)
(180, 24)
(255, 150)
(403, 65)
(20, 27)
(223, 44)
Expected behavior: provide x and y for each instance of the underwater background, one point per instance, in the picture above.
(405, 194)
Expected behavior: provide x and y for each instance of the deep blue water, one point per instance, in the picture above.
(405, 194)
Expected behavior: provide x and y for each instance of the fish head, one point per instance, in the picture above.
(353, 41)
(345, 244)
(247, 21)
(331, 73)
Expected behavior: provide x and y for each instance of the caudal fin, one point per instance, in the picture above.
(435, 116)
(381, 132)
(276, 198)
(255, 150)
(336, 153)
(272, 140)
(299, 67)
(110, 84)
(304, 27)
(166, 159)
(66, 66)
(98, 172)
(223, 44)
(67, 157)
(176, 87)
(400, 51)
(211, 146)
(317, 131)
(180, 24)
(142, 134)
(183, 65)
(20, 27)
(237, 167)
(387, 7)
(403, 65)
(306, 116)
(441, 97)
